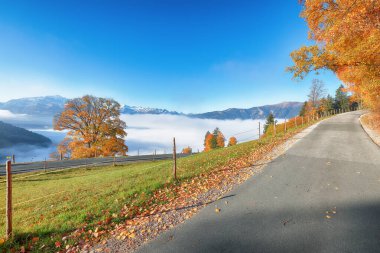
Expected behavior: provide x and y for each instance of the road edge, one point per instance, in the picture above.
(375, 137)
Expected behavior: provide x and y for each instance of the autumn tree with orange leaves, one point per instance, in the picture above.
(94, 128)
(210, 142)
(187, 150)
(347, 41)
(232, 141)
(214, 140)
(220, 140)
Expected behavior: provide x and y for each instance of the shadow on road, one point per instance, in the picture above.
(354, 228)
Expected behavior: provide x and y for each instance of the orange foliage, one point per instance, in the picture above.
(232, 141)
(187, 150)
(220, 140)
(95, 128)
(209, 142)
(347, 36)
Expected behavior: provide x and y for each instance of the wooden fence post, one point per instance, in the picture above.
(9, 201)
(285, 126)
(259, 130)
(114, 161)
(13, 159)
(174, 160)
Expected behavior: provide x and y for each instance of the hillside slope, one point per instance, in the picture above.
(11, 136)
(281, 110)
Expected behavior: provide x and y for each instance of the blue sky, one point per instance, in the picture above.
(183, 55)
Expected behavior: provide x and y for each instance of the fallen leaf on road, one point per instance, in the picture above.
(217, 210)
(328, 216)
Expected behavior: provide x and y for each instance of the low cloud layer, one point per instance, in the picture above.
(147, 133)
(150, 132)
(5, 114)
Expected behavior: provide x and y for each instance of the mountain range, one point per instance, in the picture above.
(51, 105)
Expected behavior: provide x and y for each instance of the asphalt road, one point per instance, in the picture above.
(335, 169)
(65, 164)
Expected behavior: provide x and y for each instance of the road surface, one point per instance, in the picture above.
(65, 164)
(322, 195)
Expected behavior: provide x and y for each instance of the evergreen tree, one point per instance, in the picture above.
(270, 121)
(329, 103)
(326, 104)
(303, 109)
(216, 134)
(341, 99)
(220, 140)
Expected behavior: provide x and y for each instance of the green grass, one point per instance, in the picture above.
(49, 205)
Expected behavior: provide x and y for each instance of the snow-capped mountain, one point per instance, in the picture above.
(146, 110)
(48, 105)
(51, 105)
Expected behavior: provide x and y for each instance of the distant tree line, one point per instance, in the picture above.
(216, 140)
(319, 103)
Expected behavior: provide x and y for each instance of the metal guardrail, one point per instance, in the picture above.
(18, 168)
